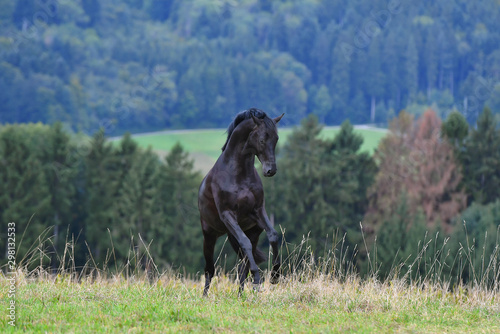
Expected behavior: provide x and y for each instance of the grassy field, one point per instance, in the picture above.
(205, 145)
(315, 295)
(317, 304)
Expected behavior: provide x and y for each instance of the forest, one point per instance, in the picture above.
(139, 65)
(75, 72)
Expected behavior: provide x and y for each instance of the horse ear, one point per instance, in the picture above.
(277, 119)
(256, 120)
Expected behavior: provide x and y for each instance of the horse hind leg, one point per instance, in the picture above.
(208, 252)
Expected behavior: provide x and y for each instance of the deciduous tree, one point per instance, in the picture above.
(415, 159)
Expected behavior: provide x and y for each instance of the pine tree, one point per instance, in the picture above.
(339, 85)
(322, 103)
(475, 241)
(391, 242)
(297, 199)
(177, 236)
(160, 9)
(93, 9)
(100, 187)
(354, 172)
(375, 77)
(60, 172)
(412, 69)
(455, 129)
(24, 193)
(481, 160)
(321, 187)
(23, 12)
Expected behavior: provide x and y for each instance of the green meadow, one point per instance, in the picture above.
(317, 304)
(312, 296)
(204, 146)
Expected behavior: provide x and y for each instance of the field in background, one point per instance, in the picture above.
(204, 146)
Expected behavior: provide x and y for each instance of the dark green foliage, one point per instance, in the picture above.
(139, 65)
(455, 128)
(100, 186)
(23, 11)
(109, 202)
(320, 189)
(113, 201)
(160, 9)
(402, 244)
(93, 9)
(481, 160)
(177, 238)
(24, 191)
(475, 243)
(60, 176)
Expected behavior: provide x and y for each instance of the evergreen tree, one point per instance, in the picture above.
(412, 69)
(24, 193)
(339, 85)
(481, 160)
(134, 204)
(455, 129)
(177, 238)
(60, 173)
(23, 12)
(100, 189)
(93, 9)
(160, 9)
(321, 186)
(354, 172)
(475, 243)
(400, 239)
(322, 103)
(375, 78)
(298, 197)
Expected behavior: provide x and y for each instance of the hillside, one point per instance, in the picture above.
(144, 65)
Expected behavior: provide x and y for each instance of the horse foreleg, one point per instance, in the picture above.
(272, 236)
(229, 219)
(208, 251)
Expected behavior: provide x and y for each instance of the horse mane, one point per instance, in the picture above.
(242, 116)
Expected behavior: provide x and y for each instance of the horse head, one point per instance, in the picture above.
(262, 140)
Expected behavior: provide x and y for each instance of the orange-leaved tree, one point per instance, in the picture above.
(413, 159)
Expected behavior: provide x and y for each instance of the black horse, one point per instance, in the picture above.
(231, 196)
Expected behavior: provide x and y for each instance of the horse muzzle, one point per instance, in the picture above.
(269, 169)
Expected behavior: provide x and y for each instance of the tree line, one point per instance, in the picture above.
(429, 195)
(102, 199)
(405, 204)
(137, 65)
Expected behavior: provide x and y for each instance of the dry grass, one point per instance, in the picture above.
(324, 295)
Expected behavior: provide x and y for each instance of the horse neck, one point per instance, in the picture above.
(236, 155)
